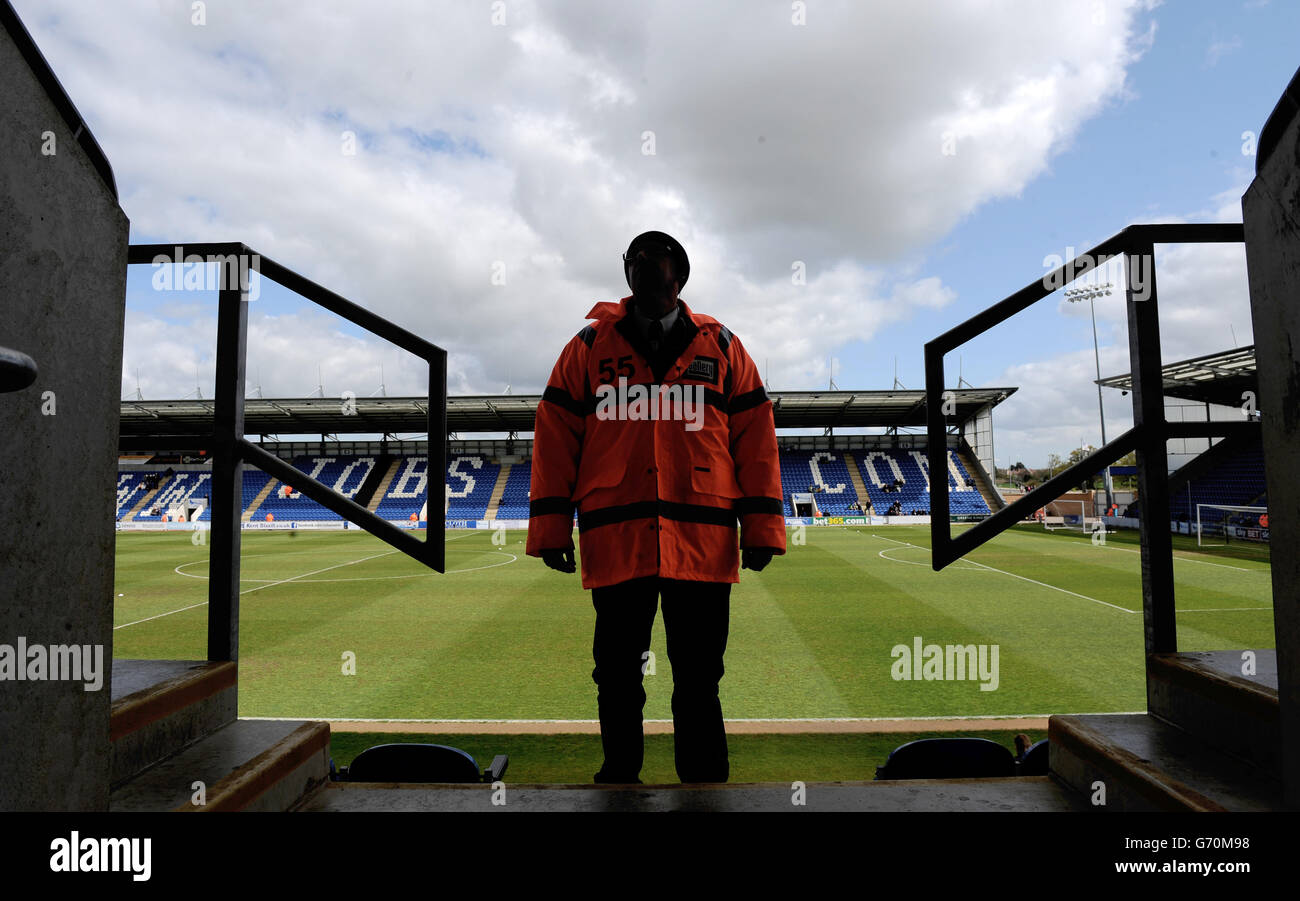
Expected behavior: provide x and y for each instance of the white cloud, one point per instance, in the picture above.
(1204, 302)
(1219, 48)
(521, 145)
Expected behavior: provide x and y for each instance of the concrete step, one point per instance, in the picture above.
(987, 490)
(161, 706)
(1034, 793)
(382, 490)
(855, 476)
(1148, 764)
(1206, 693)
(142, 503)
(499, 489)
(253, 765)
(247, 515)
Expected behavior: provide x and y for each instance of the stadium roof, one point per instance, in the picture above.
(515, 413)
(1218, 378)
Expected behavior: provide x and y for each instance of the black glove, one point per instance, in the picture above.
(559, 559)
(755, 558)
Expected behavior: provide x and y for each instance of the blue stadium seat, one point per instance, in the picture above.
(948, 758)
(514, 500)
(416, 762)
(341, 473)
(471, 478)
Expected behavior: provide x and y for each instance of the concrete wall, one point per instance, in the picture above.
(63, 241)
(1271, 213)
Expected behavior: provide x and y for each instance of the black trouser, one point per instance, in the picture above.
(695, 620)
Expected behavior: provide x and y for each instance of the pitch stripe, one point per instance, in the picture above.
(315, 571)
(1022, 578)
(258, 588)
(1193, 560)
(1220, 609)
(160, 616)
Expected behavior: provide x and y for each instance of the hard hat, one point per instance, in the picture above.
(681, 265)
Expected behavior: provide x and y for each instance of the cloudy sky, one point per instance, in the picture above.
(850, 179)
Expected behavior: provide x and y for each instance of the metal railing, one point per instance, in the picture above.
(1147, 437)
(230, 449)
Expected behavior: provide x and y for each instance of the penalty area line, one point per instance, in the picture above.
(1015, 576)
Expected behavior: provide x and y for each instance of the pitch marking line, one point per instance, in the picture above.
(315, 571)
(1014, 576)
(160, 615)
(884, 555)
(1243, 569)
(304, 578)
(280, 582)
(257, 588)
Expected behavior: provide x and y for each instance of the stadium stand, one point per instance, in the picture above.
(472, 477)
(175, 490)
(343, 474)
(253, 483)
(1229, 473)
(132, 486)
(823, 473)
(514, 502)
(903, 476)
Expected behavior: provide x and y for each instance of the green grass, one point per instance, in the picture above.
(573, 758)
(502, 637)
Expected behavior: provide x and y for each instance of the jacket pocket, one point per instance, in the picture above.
(715, 477)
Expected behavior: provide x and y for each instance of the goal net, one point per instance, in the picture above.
(1071, 515)
(1218, 525)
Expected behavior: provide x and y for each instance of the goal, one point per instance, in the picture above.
(1071, 515)
(1218, 525)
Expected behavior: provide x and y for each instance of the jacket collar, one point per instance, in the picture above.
(620, 309)
(682, 335)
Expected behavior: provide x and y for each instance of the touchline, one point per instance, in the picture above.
(21, 662)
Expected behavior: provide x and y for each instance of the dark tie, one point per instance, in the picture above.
(656, 334)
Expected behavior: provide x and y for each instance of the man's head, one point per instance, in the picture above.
(656, 268)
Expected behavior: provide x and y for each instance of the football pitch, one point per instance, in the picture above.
(339, 626)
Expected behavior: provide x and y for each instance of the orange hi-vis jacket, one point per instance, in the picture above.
(660, 465)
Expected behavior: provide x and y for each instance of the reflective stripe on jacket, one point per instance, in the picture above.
(659, 488)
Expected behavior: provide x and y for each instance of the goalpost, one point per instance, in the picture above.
(1071, 515)
(1218, 525)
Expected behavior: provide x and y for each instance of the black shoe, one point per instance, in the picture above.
(602, 779)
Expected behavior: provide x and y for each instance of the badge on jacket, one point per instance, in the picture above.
(703, 368)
